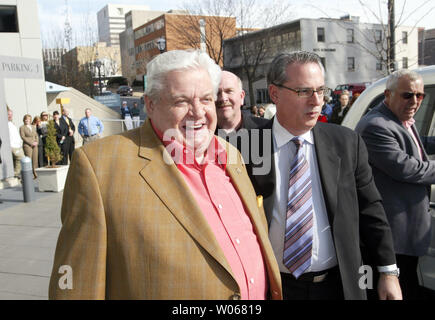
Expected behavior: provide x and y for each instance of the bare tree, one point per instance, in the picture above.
(382, 43)
(225, 19)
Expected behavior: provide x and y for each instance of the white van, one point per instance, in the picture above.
(425, 123)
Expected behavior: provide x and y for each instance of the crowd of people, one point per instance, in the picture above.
(206, 226)
(335, 112)
(30, 138)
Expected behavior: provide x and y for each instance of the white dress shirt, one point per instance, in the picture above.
(323, 254)
(323, 251)
(14, 135)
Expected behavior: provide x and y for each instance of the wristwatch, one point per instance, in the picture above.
(392, 273)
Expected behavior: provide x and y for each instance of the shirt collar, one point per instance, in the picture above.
(408, 124)
(282, 136)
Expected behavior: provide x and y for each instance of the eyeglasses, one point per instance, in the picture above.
(410, 95)
(307, 92)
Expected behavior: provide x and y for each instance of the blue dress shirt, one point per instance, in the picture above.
(95, 126)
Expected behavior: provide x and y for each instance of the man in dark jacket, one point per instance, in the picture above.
(233, 125)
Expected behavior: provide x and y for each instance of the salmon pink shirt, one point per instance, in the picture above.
(225, 213)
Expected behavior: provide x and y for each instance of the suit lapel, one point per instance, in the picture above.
(329, 169)
(168, 184)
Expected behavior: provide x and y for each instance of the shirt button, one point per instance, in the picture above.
(220, 207)
(237, 241)
(252, 280)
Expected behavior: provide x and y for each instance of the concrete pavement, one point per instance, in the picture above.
(28, 236)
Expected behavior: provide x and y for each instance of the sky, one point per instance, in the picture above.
(52, 13)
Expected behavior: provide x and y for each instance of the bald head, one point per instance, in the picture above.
(229, 101)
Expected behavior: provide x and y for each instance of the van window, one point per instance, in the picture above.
(424, 116)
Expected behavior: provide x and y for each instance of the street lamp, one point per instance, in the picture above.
(161, 44)
(98, 66)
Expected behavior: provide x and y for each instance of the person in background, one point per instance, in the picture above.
(353, 99)
(126, 116)
(37, 124)
(90, 127)
(403, 171)
(231, 121)
(60, 131)
(326, 108)
(68, 128)
(341, 108)
(261, 111)
(254, 111)
(135, 115)
(42, 131)
(16, 145)
(30, 138)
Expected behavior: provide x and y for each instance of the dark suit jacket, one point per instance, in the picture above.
(335, 116)
(353, 203)
(402, 177)
(65, 128)
(242, 139)
(61, 131)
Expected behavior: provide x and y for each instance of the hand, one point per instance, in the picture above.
(389, 287)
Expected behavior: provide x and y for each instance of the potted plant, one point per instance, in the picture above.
(52, 177)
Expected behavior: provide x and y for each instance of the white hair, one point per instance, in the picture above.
(175, 60)
(393, 79)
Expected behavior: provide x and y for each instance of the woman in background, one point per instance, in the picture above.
(30, 141)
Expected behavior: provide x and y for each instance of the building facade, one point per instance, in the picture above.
(133, 19)
(25, 94)
(352, 52)
(111, 22)
(53, 57)
(426, 47)
(182, 31)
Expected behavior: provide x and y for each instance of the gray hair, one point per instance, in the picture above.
(393, 79)
(162, 64)
(277, 71)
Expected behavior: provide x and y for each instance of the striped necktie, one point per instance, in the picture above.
(298, 238)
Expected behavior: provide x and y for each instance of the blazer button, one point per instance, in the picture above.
(236, 296)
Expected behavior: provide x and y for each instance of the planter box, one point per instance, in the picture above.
(52, 179)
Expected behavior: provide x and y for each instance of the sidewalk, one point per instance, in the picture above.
(28, 235)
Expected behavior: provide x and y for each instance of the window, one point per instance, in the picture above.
(323, 60)
(120, 11)
(351, 64)
(349, 36)
(379, 65)
(378, 36)
(405, 63)
(263, 96)
(8, 19)
(320, 34)
(405, 37)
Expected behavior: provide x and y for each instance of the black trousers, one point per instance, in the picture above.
(68, 146)
(329, 289)
(408, 279)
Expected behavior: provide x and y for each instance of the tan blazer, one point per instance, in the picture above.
(132, 229)
(30, 136)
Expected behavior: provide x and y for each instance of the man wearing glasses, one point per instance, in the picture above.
(320, 199)
(402, 171)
